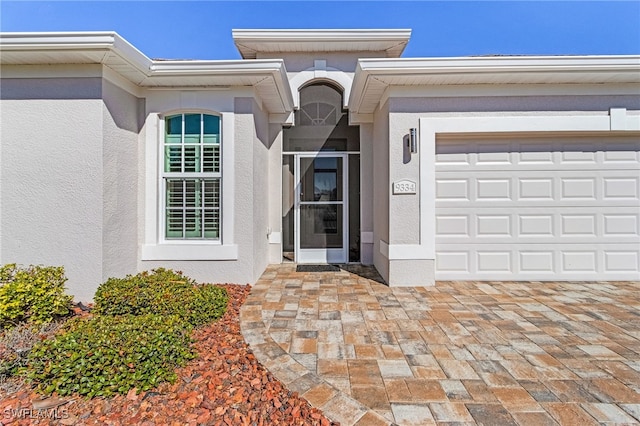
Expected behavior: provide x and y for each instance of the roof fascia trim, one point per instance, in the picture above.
(245, 39)
(301, 35)
(107, 41)
(480, 64)
(110, 43)
(368, 69)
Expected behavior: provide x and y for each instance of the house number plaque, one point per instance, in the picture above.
(404, 186)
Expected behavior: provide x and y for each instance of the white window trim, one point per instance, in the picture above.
(164, 176)
(155, 246)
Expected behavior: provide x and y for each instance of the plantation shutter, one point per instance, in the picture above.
(192, 169)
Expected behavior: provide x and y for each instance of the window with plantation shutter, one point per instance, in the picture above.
(192, 176)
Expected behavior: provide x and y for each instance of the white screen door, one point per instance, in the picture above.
(321, 234)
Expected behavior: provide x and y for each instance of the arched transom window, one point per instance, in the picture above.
(320, 105)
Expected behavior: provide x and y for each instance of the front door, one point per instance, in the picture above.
(321, 204)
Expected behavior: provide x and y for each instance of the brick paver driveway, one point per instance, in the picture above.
(499, 353)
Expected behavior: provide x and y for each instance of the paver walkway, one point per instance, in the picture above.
(500, 353)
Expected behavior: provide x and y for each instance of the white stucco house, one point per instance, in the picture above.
(321, 146)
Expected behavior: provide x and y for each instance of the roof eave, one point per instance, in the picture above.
(479, 64)
(249, 41)
(470, 70)
(270, 71)
(111, 50)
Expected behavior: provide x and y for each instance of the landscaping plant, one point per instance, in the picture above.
(104, 355)
(138, 335)
(163, 292)
(33, 294)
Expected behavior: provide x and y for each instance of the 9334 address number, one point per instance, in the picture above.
(404, 187)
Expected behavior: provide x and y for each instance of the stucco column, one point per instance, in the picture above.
(275, 193)
(410, 252)
(366, 193)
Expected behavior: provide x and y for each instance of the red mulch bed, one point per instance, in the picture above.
(225, 385)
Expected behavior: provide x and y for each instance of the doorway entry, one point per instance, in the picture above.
(321, 207)
(321, 181)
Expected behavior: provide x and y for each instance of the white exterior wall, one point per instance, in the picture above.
(381, 191)
(121, 123)
(274, 161)
(52, 177)
(366, 193)
(260, 190)
(408, 264)
(82, 189)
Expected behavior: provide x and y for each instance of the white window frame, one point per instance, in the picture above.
(165, 176)
(156, 246)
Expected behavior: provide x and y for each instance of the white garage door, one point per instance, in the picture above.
(554, 208)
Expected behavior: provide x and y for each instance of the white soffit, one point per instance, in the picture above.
(373, 76)
(269, 77)
(252, 42)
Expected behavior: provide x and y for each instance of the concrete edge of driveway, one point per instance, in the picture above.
(335, 404)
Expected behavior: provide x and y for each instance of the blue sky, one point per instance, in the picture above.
(202, 29)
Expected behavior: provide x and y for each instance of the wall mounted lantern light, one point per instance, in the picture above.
(413, 140)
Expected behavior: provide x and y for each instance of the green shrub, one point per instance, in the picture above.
(138, 294)
(164, 292)
(34, 294)
(209, 303)
(102, 356)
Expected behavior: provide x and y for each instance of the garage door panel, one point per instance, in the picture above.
(540, 154)
(452, 189)
(564, 225)
(455, 262)
(457, 225)
(578, 188)
(538, 188)
(573, 261)
(534, 154)
(493, 154)
(621, 153)
(493, 261)
(453, 154)
(493, 225)
(534, 208)
(538, 166)
(535, 225)
(493, 189)
(621, 261)
(621, 224)
(620, 188)
(583, 153)
(578, 225)
(538, 262)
